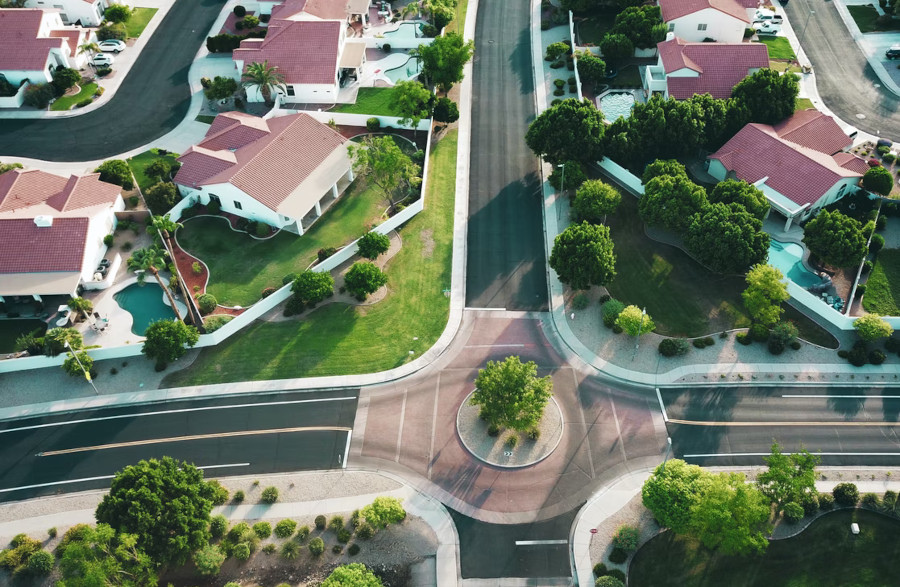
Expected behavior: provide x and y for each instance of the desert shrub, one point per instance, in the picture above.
(581, 301)
(196, 268)
(285, 528)
(316, 546)
(209, 559)
(302, 533)
(871, 501)
(845, 494)
(673, 347)
(270, 548)
(262, 529)
(343, 536)
(52, 532)
(290, 550)
(793, 512)
(320, 522)
(511, 441)
(599, 569)
(40, 563)
(269, 495)
(207, 303)
(218, 526)
(353, 550)
(744, 338)
(759, 332)
(22, 548)
(493, 430)
(336, 523)
(373, 124)
(533, 434)
(365, 531)
(626, 538)
(826, 501)
(241, 551)
(238, 496)
(618, 556)
(611, 311)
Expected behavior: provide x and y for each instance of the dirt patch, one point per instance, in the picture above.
(427, 237)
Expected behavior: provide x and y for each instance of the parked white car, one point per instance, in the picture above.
(763, 16)
(102, 60)
(767, 28)
(112, 45)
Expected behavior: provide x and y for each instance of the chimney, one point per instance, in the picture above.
(43, 221)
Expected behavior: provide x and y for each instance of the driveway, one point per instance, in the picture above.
(152, 100)
(845, 80)
(506, 265)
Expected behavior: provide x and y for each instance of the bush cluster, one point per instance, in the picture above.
(702, 343)
(285, 528)
(226, 43)
(618, 556)
(846, 494)
(611, 310)
(269, 495)
(626, 538)
(207, 303)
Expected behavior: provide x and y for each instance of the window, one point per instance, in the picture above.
(290, 90)
(671, 27)
(237, 205)
(701, 27)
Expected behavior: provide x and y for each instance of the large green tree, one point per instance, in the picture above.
(372, 244)
(441, 11)
(591, 69)
(444, 59)
(730, 516)
(161, 197)
(311, 287)
(167, 341)
(733, 191)
(384, 164)
(872, 327)
(671, 493)
(836, 239)
(670, 202)
(878, 180)
(117, 13)
(352, 575)
(788, 477)
(165, 503)
(669, 167)
(117, 172)
(616, 47)
(726, 238)
(97, 556)
(769, 96)
(570, 131)
(412, 101)
(583, 256)
(594, 200)
(641, 24)
(364, 278)
(634, 322)
(383, 511)
(766, 291)
(511, 395)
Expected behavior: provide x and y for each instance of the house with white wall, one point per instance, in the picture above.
(277, 170)
(694, 21)
(684, 69)
(349, 11)
(800, 164)
(83, 12)
(33, 43)
(52, 229)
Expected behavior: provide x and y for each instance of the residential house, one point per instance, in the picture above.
(800, 164)
(684, 69)
(701, 20)
(33, 43)
(277, 170)
(52, 229)
(81, 12)
(349, 11)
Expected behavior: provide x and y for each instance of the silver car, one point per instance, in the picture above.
(112, 45)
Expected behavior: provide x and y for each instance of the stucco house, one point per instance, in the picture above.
(83, 12)
(349, 11)
(277, 170)
(800, 164)
(33, 43)
(52, 229)
(684, 69)
(697, 20)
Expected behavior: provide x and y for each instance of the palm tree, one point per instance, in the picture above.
(150, 260)
(264, 76)
(91, 49)
(81, 306)
(165, 227)
(410, 9)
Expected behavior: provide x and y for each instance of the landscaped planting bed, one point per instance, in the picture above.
(139, 163)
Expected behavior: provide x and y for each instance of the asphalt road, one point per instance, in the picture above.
(258, 434)
(151, 101)
(506, 264)
(736, 426)
(845, 80)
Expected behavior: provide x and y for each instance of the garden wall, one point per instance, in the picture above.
(16, 100)
(397, 42)
(347, 119)
(574, 54)
(624, 177)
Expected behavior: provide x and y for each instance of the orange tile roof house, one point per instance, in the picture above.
(52, 229)
(82, 12)
(696, 20)
(277, 170)
(800, 163)
(685, 69)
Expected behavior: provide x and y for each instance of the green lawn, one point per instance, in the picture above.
(779, 47)
(66, 102)
(459, 22)
(205, 119)
(865, 17)
(241, 266)
(826, 553)
(628, 77)
(803, 104)
(138, 21)
(139, 163)
(339, 339)
(372, 101)
(10, 330)
(883, 287)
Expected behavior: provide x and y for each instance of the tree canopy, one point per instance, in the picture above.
(616, 47)
(264, 76)
(311, 287)
(594, 200)
(878, 180)
(590, 68)
(642, 25)
(583, 256)
(364, 278)
(161, 197)
(383, 511)
(510, 394)
(836, 239)
(117, 13)
(372, 244)
(93, 556)
(733, 191)
(117, 172)
(570, 131)
(634, 322)
(871, 327)
(412, 101)
(671, 492)
(444, 59)
(670, 202)
(165, 503)
(726, 238)
(384, 164)
(669, 167)
(766, 291)
(167, 340)
(768, 96)
(788, 477)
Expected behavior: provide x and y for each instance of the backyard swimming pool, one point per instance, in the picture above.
(787, 257)
(616, 104)
(406, 30)
(145, 304)
(407, 71)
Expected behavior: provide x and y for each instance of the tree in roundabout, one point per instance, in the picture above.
(511, 395)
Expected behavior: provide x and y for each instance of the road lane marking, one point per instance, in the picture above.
(149, 441)
(766, 454)
(102, 477)
(540, 542)
(752, 424)
(662, 406)
(178, 411)
(842, 396)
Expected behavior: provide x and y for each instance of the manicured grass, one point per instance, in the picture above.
(139, 163)
(783, 66)
(803, 104)
(779, 47)
(883, 287)
(866, 17)
(10, 330)
(340, 339)
(628, 77)
(205, 119)
(242, 266)
(66, 102)
(594, 26)
(373, 101)
(826, 553)
(138, 21)
(459, 22)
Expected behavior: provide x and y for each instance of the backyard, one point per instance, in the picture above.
(371, 101)
(339, 339)
(10, 330)
(826, 553)
(883, 287)
(589, 29)
(139, 163)
(779, 47)
(138, 21)
(866, 18)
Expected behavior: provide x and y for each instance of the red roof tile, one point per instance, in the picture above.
(815, 130)
(720, 66)
(73, 36)
(673, 9)
(21, 189)
(851, 162)
(20, 47)
(305, 52)
(800, 174)
(27, 248)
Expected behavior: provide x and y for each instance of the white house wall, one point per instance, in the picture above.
(228, 195)
(73, 10)
(719, 26)
(100, 225)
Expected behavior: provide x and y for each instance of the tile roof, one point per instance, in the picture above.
(815, 130)
(20, 47)
(799, 173)
(305, 51)
(720, 66)
(673, 9)
(27, 248)
(324, 9)
(268, 169)
(851, 162)
(21, 189)
(74, 37)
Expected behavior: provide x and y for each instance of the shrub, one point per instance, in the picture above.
(323, 254)
(52, 532)
(109, 31)
(889, 501)
(303, 533)
(372, 244)
(618, 556)
(759, 332)
(857, 355)
(626, 538)
(559, 83)
(373, 124)
(533, 434)
(364, 278)
(876, 357)
(209, 559)
(611, 311)
(104, 71)
(270, 548)
(365, 531)
(889, 158)
(269, 495)
(493, 430)
(250, 21)
(316, 546)
(116, 171)
(826, 501)
(83, 103)
(343, 536)
(861, 289)
(220, 494)
(871, 501)
(616, 574)
(793, 512)
(196, 268)
(38, 96)
(511, 441)
(108, 240)
(810, 503)
(599, 569)
(744, 338)
(877, 243)
(446, 110)
(353, 550)
(776, 346)
(262, 529)
(207, 303)
(238, 496)
(290, 550)
(845, 494)
(673, 347)
(581, 301)
(336, 523)
(40, 563)
(240, 11)
(795, 344)
(320, 522)
(263, 230)
(218, 526)
(285, 528)
(608, 581)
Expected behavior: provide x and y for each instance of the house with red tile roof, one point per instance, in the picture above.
(283, 171)
(348, 11)
(52, 229)
(697, 20)
(799, 164)
(684, 69)
(81, 12)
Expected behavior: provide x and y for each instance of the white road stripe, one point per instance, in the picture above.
(178, 411)
(765, 454)
(843, 396)
(662, 406)
(346, 450)
(539, 542)
(491, 346)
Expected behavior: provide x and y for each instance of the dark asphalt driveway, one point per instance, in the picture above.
(151, 101)
(845, 80)
(506, 261)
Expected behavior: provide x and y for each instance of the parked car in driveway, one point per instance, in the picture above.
(767, 28)
(762, 16)
(112, 45)
(102, 59)
(893, 52)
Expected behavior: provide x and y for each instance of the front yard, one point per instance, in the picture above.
(339, 339)
(371, 101)
(883, 287)
(866, 18)
(139, 163)
(779, 47)
(66, 102)
(140, 17)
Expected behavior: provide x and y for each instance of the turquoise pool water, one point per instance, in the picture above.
(408, 70)
(406, 30)
(616, 104)
(787, 258)
(145, 304)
